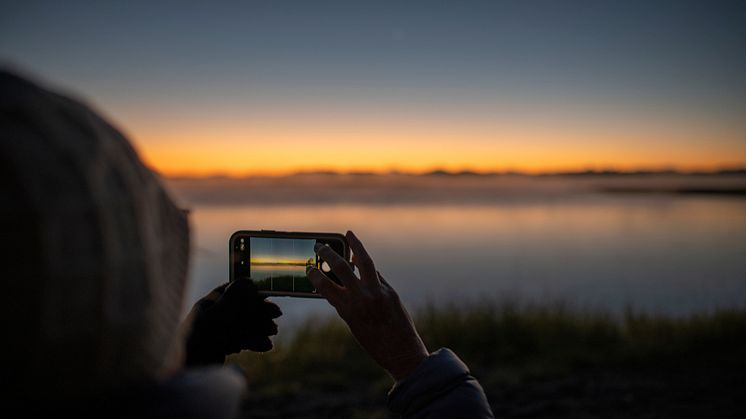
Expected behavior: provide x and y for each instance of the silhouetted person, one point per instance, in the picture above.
(95, 257)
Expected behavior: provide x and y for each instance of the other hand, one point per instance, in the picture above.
(231, 318)
(371, 308)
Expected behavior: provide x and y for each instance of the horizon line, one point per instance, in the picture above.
(724, 170)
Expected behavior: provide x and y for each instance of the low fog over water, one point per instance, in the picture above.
(660, 243)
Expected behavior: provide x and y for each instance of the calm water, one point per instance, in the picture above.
(671, 254)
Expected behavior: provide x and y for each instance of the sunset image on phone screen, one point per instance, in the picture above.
(278, 264)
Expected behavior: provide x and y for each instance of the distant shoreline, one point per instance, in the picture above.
(677, 191)
(470, 173)
(456, 189)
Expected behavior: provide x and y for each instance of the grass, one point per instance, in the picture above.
(515, 351)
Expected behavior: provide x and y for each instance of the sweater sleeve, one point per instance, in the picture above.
(440, 387)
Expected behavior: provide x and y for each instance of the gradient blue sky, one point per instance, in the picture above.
(530, 85)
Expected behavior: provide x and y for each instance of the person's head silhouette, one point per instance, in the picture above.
(95, 253)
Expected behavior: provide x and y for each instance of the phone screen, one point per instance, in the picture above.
(277, 261)
(279, 264)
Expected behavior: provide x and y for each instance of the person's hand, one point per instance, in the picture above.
(229, 319)
(371, 309)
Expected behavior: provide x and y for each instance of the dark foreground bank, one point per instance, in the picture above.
(532, 362)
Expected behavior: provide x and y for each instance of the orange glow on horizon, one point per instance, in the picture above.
(198, 158)
(206, 147)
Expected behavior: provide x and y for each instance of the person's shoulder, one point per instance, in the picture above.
(441, 386)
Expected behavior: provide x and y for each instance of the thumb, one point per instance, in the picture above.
(215, 294)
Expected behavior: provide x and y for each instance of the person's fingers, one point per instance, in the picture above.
(253, 290)
(221, 288)
(383, 280)
(237, 293)
(242, 296)
(215, 294)
(270, 310)
(261, 327)
(354, 264)
(258, 344)
(233, 347)
(325, 286)
(338, 265)
(200, 313)
(362, 259)
(267, 328)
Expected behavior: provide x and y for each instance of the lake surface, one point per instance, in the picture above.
(673, 254)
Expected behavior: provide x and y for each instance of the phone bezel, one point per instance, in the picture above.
(235, 253)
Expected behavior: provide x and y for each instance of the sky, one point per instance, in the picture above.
(272, 87)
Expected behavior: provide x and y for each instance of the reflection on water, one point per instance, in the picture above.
(658, 253)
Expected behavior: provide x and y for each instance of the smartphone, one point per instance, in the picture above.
(276, 261)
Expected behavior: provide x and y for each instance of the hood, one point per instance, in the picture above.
(95, 252)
